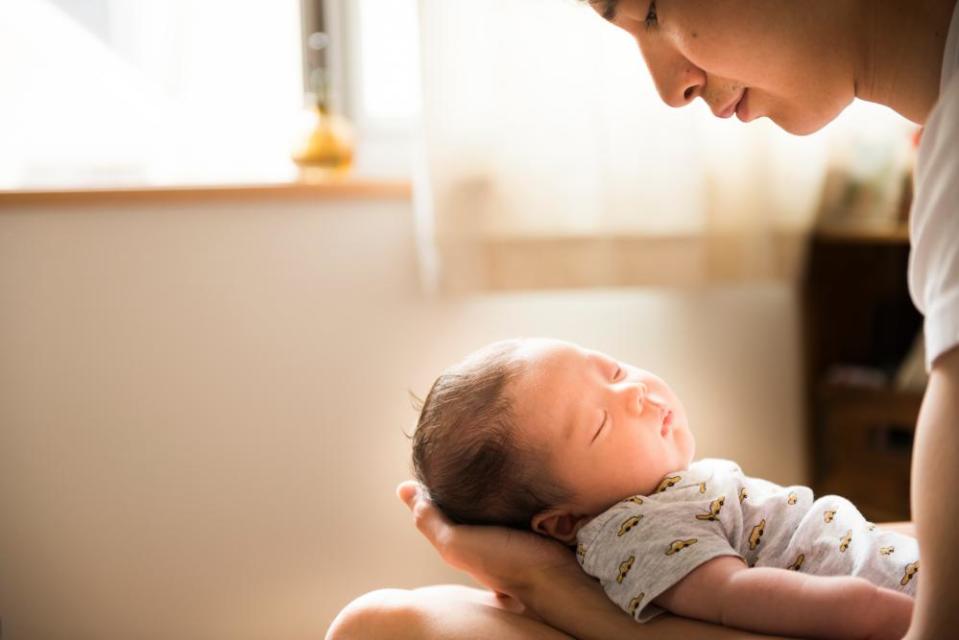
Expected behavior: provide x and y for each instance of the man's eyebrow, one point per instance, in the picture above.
(609, 8)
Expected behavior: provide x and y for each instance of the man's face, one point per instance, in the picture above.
(752, 58)
(612, 430)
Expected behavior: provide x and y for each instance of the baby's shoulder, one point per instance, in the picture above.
(633, 508)
(715, 466)
(710, 474)
(677, 491)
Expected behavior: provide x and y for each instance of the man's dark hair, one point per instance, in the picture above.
(607, 8)
(468, 452)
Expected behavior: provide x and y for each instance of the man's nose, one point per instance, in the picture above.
(678, 81)
(684, 86)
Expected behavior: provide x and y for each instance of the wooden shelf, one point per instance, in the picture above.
(866, 437)
(859, 324)
(347, 187)
(884, 401)
(880, 234)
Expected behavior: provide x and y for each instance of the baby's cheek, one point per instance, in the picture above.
(689, 446)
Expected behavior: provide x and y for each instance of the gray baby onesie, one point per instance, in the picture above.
(644, 545)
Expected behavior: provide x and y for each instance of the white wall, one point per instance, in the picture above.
(201, 407)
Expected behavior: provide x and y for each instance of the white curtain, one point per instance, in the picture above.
(550, 161)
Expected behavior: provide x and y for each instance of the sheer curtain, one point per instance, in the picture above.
(550, 161)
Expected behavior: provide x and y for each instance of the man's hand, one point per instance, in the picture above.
(508, 561)
(542, 575)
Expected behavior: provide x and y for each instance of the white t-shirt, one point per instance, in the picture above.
(642, 546)
(934, 221)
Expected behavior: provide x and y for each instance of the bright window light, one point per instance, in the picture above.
(388, 45)
(99, 92)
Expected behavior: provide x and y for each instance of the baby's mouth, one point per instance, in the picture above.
(667, 422)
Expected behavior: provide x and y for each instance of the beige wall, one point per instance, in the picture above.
(201, 407)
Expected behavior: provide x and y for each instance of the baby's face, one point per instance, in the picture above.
(612, 430)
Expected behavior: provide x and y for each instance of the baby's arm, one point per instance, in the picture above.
(780, 601)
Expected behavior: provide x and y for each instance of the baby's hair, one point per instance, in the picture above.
(466, 447)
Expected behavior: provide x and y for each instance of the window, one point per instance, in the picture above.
(184, 91)
(388, 91)
(376, 70)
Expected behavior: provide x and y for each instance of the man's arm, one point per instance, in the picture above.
(935, 510)
(575, 603)
(786, 602)
(545, 577)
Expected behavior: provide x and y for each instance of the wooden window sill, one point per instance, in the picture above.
(347, 187)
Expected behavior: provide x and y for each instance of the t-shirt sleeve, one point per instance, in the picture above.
(934, 259)
(640, 551)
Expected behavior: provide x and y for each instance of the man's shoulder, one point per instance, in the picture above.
(941, 129)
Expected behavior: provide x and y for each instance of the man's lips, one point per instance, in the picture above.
(742, 108)
(731, 107)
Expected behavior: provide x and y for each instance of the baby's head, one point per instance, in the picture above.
(543, 434)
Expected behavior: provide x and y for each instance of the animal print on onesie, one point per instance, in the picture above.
(644, 545)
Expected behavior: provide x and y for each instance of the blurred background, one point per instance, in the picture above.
(236, 236)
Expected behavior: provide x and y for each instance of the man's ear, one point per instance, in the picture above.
(559, 523)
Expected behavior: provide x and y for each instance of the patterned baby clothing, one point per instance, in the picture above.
(643, 545)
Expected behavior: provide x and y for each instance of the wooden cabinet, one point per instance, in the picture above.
(859, 324)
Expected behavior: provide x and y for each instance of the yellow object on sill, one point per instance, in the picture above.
(326, 145)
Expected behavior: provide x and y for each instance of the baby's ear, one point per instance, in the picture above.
(558, 523)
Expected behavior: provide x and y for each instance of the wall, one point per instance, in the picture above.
(201, 407)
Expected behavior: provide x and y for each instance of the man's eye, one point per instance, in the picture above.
(651, 19)
(609, 10)
(619, 371)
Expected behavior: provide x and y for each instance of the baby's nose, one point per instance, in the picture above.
(655, 399)
(641, 396)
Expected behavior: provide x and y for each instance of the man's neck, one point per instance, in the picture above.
(900, 53)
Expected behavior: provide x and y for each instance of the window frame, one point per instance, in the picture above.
(342, 21)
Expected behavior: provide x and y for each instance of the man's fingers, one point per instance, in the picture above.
(407, 491)
(431, 522)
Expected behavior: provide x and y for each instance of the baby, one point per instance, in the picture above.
(571, 443)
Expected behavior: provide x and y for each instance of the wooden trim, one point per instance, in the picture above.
(330, 189)
(887, 234)
(681, 260)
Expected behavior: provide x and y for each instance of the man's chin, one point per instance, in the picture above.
(798, 129)
(803, 124)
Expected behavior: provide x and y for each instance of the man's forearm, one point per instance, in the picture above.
(575, 603)
(788, 603)
(935, 472)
